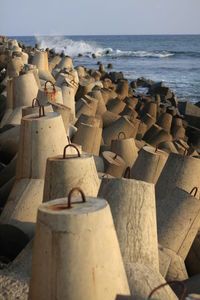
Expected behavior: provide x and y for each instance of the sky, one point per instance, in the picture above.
(92, 17)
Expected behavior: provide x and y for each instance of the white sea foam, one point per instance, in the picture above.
(155, 54)
(74, 48)
(70, 47)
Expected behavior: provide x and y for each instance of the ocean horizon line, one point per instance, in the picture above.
(85, 35)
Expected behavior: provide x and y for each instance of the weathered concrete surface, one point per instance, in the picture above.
(149, 164)
(179, 171)
(178, 220)
(22, 204)
(132, 205)
(125, 148)
(40, 138)
(89, 137)
(64, 174)
(73, 250)
(142, 280)
(114, 164)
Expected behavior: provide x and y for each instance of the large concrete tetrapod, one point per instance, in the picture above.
(68, 171)
(133, 209)
(80, 256)
(40, 138)
(172, 266)
(40, 59)
(49, 93)
(89, 120)
(66, 62)
(178, 219)
(15, 65)
(69, 76)
(96, 94)
(179, 171)
(89, 137)
(114, 164)
(20, 92)
(87, 106)
(149, 164)
(111, 132)
(69, 98)
(126, 148)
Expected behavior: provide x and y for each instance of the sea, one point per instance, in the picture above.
(174, 59)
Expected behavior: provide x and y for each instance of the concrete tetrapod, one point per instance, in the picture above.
(167, 147)
(68, 171)
(114, 164)
(66, 62)
(75, 261)
(179, 171)
(149, 164)
(40, 138)
(96, 94)
(69, 98)
(69, 76)
(15, 65)
(54, 62)
(87, 106)
(133, 209)
(49, 93)
(178, 219)
(21, 91)
(40, 59)
(165, 121)
(172, 266)
(89, 137)
(116, 106)
(125, 148)
(111, 132)
(162, 136)
(152, 132)
(142, 280)
(90, 120)
(109, 118)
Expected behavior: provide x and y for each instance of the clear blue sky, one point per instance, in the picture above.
(74, 17)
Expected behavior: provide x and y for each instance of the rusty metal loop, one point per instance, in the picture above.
(114, 157)
(194, 189)
(121, 132)
(41, 111)
(70, 145)
(45, 85)
(181, 283)
(35, 100)
(127, 173)
(70, 195)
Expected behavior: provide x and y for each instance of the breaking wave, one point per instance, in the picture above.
(74, 48)
(68, 46)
